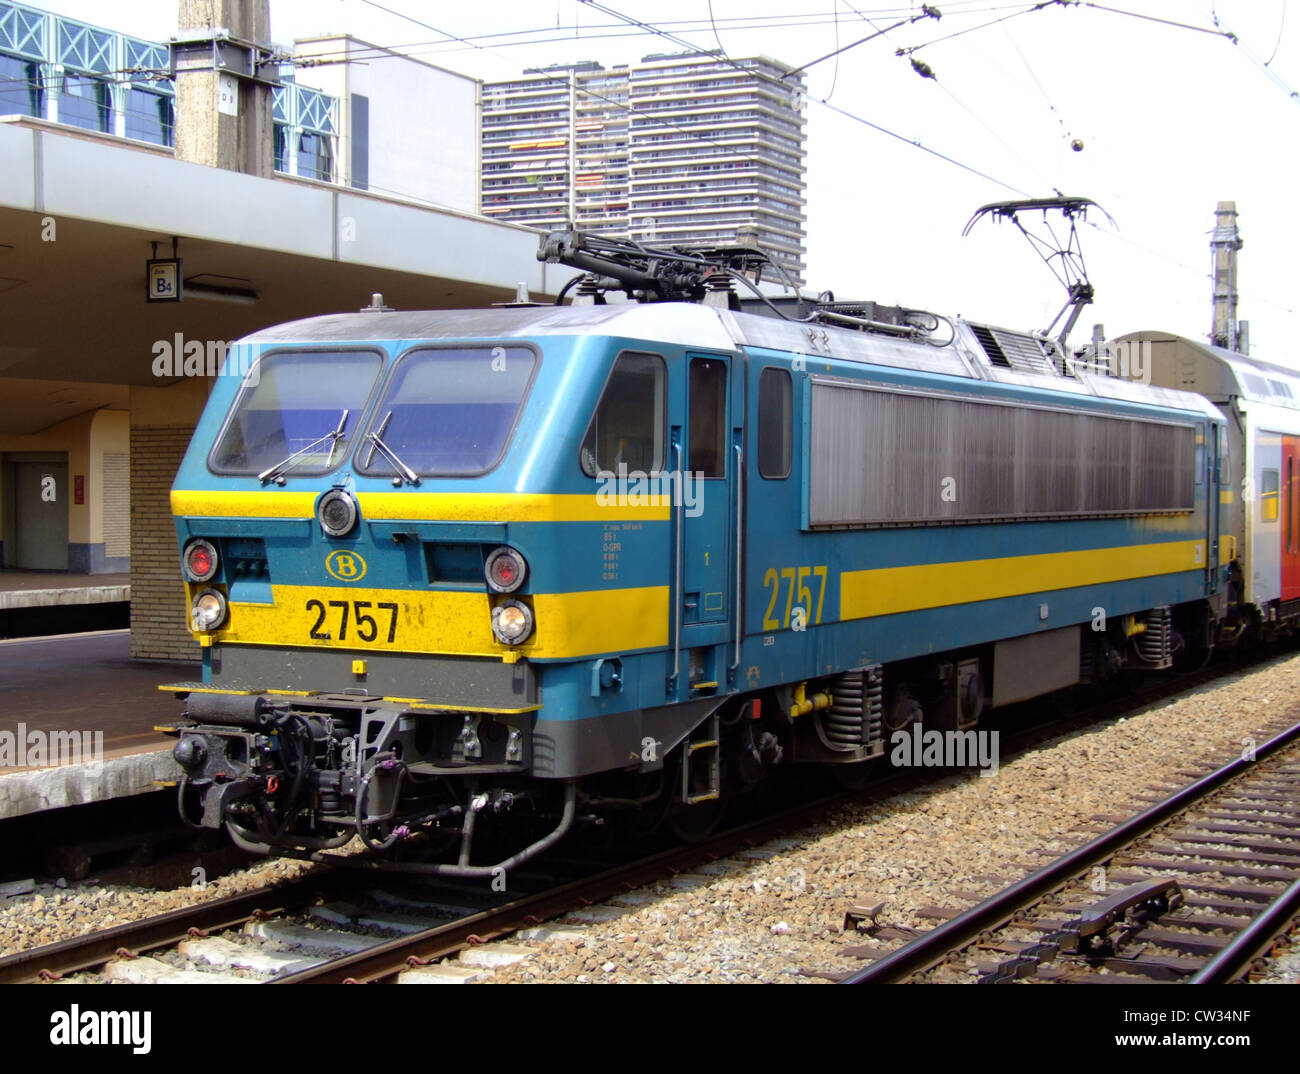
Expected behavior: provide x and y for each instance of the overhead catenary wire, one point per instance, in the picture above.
(823, 101)
(571, 83)
(1005, 144)
(526, 38)
(1278, 43)
(1023, 59)
(924, 148)
(926, 72)
(712, 26)
(1042, 6)
(846, 113)
(399, 51)
(1045, 4)
(1272, 74)
(1221, 31)
(1213, 31)
(835, 71)
(1179, 263)
(927, 12)
(597, 32)
(922, 70)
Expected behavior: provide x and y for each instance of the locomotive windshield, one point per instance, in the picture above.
(448, 411)
(296, 413)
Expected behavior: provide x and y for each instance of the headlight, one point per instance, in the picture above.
(506, 569)
(337, 512)
(512, 622)
(199, 561)
(208, 610)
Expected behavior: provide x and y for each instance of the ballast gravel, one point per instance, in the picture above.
(52, 913)
(776, 912)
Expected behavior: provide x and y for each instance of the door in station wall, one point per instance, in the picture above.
(40, 514)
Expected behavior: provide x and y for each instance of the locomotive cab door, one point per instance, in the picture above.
(705, 457)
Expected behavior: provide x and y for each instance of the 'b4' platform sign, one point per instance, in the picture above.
(163, 280)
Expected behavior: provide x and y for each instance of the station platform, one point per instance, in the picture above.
(36, 603)
(48, 589)
(104, 704)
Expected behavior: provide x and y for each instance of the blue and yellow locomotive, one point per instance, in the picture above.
(545, 560)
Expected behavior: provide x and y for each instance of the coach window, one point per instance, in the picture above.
(775, 422)
(627, 429)
(1268, 496)
(708, 450)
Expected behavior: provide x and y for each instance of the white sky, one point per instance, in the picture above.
(1172, 121)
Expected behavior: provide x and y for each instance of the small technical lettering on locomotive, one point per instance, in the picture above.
(636, 488)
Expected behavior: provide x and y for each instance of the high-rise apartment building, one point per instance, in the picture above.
(678, 150)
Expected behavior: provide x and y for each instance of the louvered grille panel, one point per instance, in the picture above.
(117, 504)
(1024, 353)
(882, 457)
(1050, 450)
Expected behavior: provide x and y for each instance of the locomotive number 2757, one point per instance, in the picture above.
(794, 577)
(365, 627)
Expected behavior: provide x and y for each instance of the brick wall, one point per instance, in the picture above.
(158, 612)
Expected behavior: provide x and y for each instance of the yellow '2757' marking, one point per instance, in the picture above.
(794, 578)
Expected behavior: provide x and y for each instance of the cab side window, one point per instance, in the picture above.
(775, 422)
(708, 435)
(627, 429)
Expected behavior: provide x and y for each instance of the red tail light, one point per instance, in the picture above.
(200, 561)
(505, 569)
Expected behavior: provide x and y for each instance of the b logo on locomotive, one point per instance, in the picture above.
(345, 566)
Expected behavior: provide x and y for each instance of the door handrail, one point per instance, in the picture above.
(677, 573)
(740, 545)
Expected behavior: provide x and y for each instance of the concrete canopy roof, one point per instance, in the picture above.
(73, 309)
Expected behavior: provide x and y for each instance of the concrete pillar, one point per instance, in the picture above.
(1225, 242)
(162, 422)
(206, 130)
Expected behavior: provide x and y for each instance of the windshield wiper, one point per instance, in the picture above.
(376, 442)
(333, 436)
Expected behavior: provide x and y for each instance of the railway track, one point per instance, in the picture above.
(339, 926)
(345, 924)
(1194, 888)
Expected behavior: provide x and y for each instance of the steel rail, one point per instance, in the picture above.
(387, 960)
(1251, 941)
(87, 952)
(932, 948)
(79, 953)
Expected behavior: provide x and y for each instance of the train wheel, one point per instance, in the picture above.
(903, 709)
